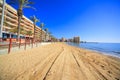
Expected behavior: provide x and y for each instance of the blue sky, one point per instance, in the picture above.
(92, 20)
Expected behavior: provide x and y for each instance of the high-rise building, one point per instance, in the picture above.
(76, 39)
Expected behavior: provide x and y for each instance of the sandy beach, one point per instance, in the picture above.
(58, 61)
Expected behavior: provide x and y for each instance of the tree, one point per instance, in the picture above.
(41, 26)
(29, 33)
(53, 38)
(21, 4)
(46, 31)
(22, 31)
(14, 30)
(35, 20)
(49, 33)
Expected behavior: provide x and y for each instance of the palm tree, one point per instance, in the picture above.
(22, 31)
(29, 33)
(52, 38)
(21, 4)
(49, 33)
(35, 20)
(14, 30)
(46, 31)
(41, 26)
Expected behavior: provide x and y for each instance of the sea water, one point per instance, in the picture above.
(112, 49)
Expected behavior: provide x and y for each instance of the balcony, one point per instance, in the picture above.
(25, 29)
(10, 19)
(25, 26)
(11, 24)
(26, 22)
(0, 9)
(11, 15)
(6, 27)
(9, 9)
(22, 24)
(29, 28)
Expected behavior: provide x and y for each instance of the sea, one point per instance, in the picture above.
(112, 49)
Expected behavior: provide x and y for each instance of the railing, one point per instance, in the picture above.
(9, 43)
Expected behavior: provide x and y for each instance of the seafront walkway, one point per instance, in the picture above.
(22, 47)
(58, 61)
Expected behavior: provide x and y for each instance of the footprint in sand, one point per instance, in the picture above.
(109, 72)
(117, 79)
(102, 66)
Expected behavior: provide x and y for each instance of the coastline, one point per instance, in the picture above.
(103, 53)
(58, 61)
(100, 51)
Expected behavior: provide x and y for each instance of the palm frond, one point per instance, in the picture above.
(29, 7)
(29, 2)
(42, 25)
(24, 3)
(14, 30)
(49, 33)
(29, 33)
(34, 19)
(46, 30)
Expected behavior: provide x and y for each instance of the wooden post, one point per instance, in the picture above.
(25, 43)
(10, 45)
(29, 41)
(19, 42)
(0, 39)
(32, 43)
(36, 43)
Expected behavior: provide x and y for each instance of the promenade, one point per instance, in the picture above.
(58, 61)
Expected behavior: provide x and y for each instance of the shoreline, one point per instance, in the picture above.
(101, 52)
(58, 61)
(98, 52)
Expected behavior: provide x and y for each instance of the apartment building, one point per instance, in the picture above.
(11, 22)
(38, 33)
(47, 37)
(76, 39)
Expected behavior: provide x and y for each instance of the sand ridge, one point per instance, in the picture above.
(58, 61)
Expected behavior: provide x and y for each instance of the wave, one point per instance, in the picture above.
(116, 52)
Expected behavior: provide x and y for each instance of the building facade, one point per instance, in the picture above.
(11, 23)
(76, 39)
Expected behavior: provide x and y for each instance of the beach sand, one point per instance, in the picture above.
(58, 61)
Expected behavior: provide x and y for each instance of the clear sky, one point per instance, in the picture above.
(92, 20)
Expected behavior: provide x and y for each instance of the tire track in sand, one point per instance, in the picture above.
(56, 71)
(79, 65)
(39, 69)
(97, 74)
(52, 64)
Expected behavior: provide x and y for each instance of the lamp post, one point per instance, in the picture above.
(2, 18)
